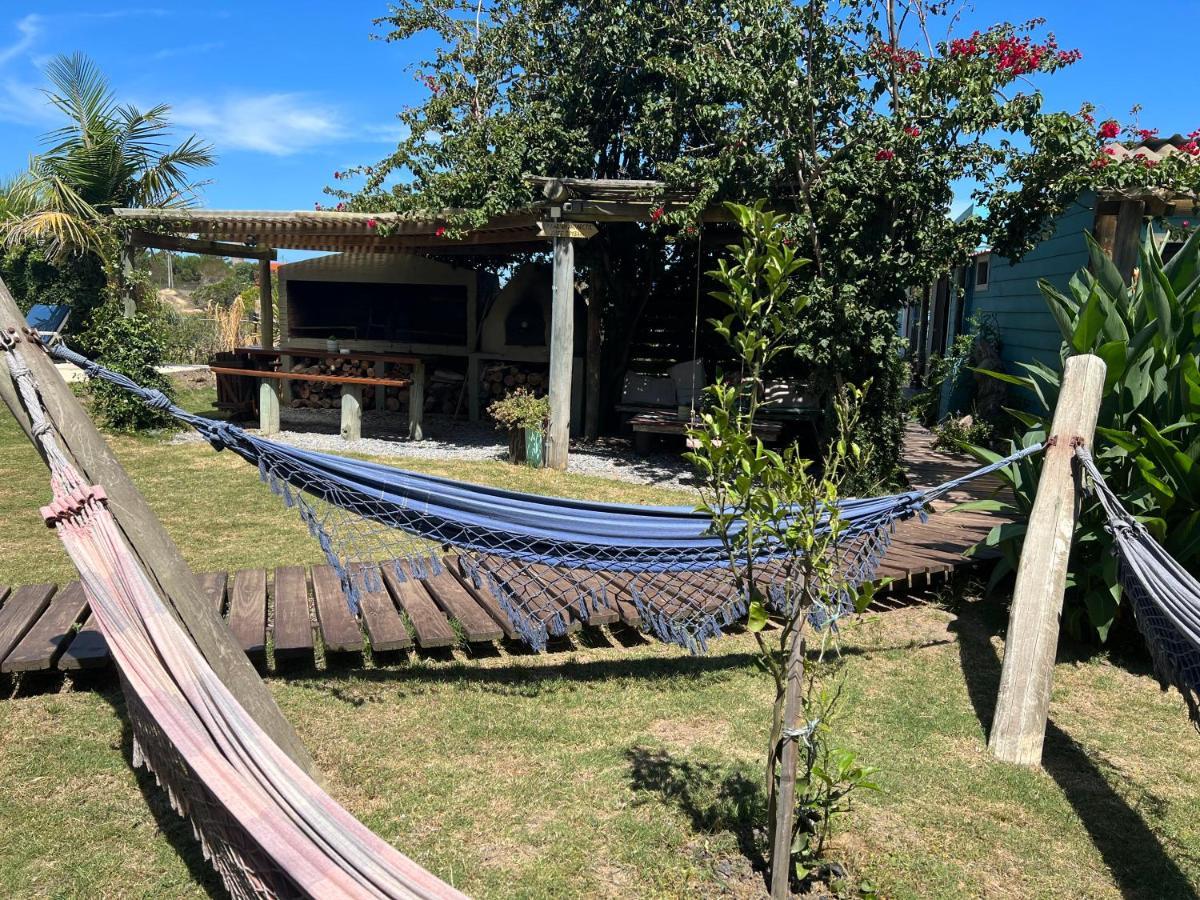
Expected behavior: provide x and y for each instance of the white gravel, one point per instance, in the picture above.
(385, 436)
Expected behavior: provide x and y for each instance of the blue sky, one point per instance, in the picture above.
(289, 92)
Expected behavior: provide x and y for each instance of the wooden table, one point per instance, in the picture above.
(273, 384)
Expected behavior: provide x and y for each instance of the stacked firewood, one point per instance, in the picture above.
(317, 395)
(502, 379)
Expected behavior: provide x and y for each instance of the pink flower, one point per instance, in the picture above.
(884, 155)
(1110, 150)
(1194, 134)
(1187, 224)
(1109, 129)
(337, 175)
(1147, 134)
(371, 223)
(1100, 162)
(441, 232)
(1191, 148)
(912, 131)
(656, 214)
(340, 207)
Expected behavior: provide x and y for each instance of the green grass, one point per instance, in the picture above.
(604, 772)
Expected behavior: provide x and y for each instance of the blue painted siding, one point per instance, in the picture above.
(1027, 329)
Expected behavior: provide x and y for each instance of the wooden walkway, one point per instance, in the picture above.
(295, 614)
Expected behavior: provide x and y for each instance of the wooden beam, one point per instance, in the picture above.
(163, 562)
(266, 305)
(1128, 238)
(140, 238)
(562, 349)
(1019, 724)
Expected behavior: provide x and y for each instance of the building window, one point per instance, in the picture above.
(983, 272)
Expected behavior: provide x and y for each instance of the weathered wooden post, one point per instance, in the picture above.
(269, 391)
(1019, 723)
(562, 349)
(785, 795)
(86, 448)
(351, 429)
(266, 305)
(416, 402)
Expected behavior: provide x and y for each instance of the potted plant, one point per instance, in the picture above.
(525, 417)
(331, 344)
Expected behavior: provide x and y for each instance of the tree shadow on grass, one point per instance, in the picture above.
(174, 828)
(1133, 854)
(715, 798)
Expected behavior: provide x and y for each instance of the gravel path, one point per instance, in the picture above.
(384, 436)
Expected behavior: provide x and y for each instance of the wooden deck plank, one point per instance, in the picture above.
(483, 597)
(88, 650)
(385, 626)
(49, 636)
(339, 630)
(212, 585)
(19, 613)
(430, 623)
(292, 632)
(248, 612)
(457, 603)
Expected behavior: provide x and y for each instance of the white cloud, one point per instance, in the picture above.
(391, 133)
(24, 103)
(278, 124)
(29, 28)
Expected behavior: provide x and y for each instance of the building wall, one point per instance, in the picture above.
(1027, 329)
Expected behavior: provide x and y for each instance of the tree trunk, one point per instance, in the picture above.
(785, 806)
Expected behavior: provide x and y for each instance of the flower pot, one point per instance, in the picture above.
(516, 445)
(331, 345)
(535, 445)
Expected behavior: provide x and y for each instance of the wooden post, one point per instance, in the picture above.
(785, 799)
(379, 370)
(1019, 724)
(473, 405)
(149, 541)
(562, 348)
(268, 406)
(1127, 240)
(127, 270)
(266, 306)
(351, 412)
(416, 401)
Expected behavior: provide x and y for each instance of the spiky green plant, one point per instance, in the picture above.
(1148, 444)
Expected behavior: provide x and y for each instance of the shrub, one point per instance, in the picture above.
(959, 432)
(1147, 447)
(134, 347)
(521, 409)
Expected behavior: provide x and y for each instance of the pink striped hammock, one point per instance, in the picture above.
(266, 827)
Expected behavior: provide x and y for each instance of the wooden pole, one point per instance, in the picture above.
(269, 394)
(785, 798)
(163, 562)
(1019, 724)
(266, 306)
(591, 414)
(416, 402)
(562, 348)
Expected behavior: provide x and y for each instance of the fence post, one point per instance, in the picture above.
(1019, 723)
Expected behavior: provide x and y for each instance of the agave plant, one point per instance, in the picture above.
(106, 155)
(1148, 445)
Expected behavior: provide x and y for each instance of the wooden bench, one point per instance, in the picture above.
(351, 429)
(648, 423)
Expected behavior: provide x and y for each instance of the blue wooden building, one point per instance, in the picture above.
(1006, 292)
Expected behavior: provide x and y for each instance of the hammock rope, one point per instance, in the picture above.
(543, 559)
(1164, 595)
(266, 827)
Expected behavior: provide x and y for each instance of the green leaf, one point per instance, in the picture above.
(756, 619)
(1090, 321)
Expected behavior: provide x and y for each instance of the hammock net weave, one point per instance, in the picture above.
(547, 561)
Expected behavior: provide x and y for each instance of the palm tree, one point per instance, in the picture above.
(108, 155)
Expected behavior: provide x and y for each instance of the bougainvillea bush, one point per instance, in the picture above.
(853, 117)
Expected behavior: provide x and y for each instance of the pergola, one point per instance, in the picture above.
(570, 211)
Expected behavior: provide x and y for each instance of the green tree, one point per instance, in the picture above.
(107, 155)
(851, 116)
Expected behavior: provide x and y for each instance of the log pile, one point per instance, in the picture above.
(315, 395)
(501, 379)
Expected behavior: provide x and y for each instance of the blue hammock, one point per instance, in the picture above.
(545, 560)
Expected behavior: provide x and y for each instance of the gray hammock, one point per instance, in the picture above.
(1164, 595)
(545, 560)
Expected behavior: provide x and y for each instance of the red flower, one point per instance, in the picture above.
(1089, 118)
(1194, 134)
(1110, 150)
(1187, 224)
(656, 214)
(884, 155)
(441, 232)
(340, 207)
(371, 223)
(912, 131)
(1100, 162)
(1147, 134)
(1109, 129)
(337, 175)
(317, 206)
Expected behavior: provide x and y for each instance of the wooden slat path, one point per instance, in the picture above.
(40, 629)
